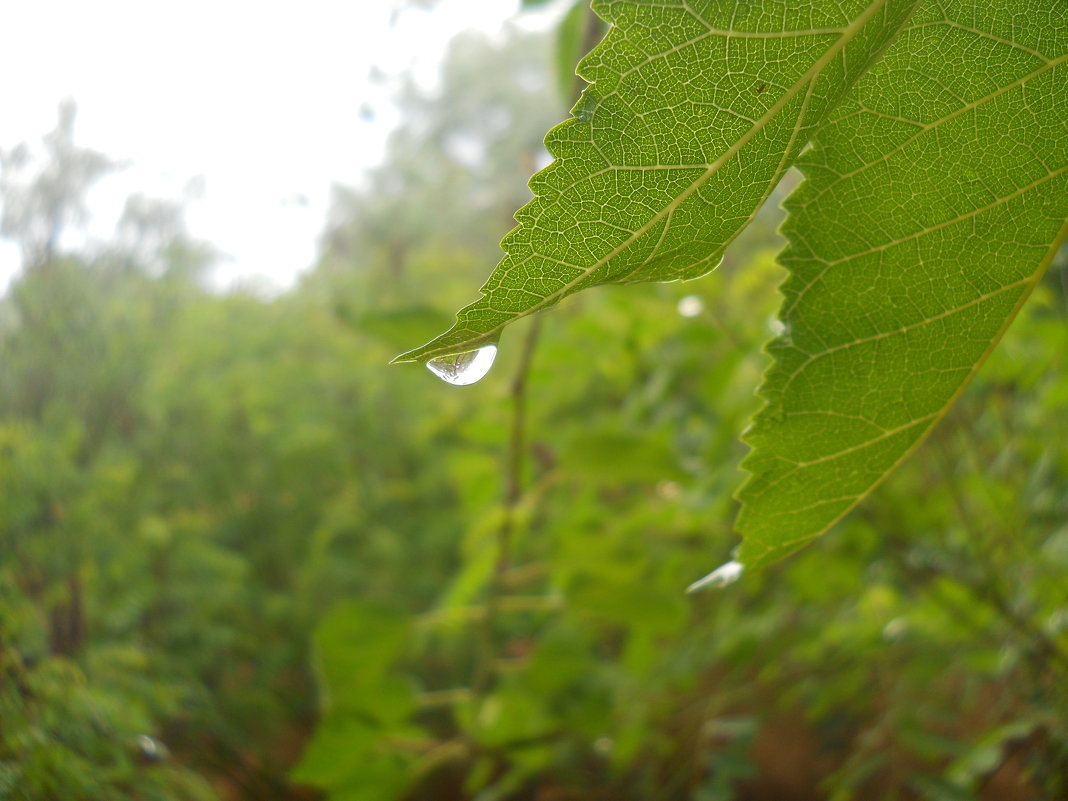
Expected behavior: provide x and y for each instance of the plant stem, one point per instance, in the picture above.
(514, 463)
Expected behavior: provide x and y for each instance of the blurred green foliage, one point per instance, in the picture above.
(241, 558)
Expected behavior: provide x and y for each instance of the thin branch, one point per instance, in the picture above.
(514, 463)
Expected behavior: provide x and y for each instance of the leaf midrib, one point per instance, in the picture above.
(848, 34)
(924, 128)
(935, 418)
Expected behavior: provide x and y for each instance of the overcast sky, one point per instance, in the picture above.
(261, 99)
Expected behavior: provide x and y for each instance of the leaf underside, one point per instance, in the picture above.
(933, 200)
(693, 113)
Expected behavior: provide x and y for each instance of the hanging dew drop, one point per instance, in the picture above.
(720, 577)
(461, 369)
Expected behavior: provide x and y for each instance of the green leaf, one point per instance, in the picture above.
(934, 199)
(334, 751)
(356, 646)
(693, 113)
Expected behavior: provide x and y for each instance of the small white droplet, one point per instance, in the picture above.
(691, 306)
(151, 749)
(720, 577)
(776, 326)
(461, 369)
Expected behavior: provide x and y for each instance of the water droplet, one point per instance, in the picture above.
(720, 577)
(585, 107)
(691, 306)
(461, 369)
(150, 749)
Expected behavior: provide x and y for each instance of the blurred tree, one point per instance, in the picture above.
(453, 175)
(42, 198)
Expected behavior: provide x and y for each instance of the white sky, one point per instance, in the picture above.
(262, 99)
